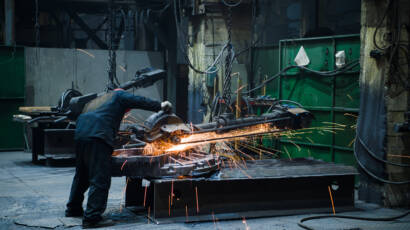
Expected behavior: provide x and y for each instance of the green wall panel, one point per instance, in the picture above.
(11, 134)
(347, 91)
(12, 87)
(330, 99)
(307, 90)
(297, 150)
(12, 72)
(344, 138)
(265, 62)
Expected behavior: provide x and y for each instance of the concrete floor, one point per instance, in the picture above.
(34, 197)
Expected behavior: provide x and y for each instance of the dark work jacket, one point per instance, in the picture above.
(101, 117)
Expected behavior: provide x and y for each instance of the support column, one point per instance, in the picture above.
(9, 22)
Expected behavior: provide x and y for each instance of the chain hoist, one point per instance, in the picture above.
(112, 56)
(226, 94)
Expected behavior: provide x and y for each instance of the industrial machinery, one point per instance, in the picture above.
(165, 140)
(176, 179)
(51, 129)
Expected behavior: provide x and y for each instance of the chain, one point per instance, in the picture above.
(112, 57)
(226, 94)
(37, 26)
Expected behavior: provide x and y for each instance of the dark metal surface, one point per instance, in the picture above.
(59, 142)
(164, 165)
(262, 188)
(38, 136)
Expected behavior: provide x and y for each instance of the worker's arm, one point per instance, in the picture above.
(137, 102)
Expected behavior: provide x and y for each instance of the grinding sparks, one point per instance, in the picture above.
(169, 205)
(192, 140)
(331, 199)
(145, 195)
(88, 53)
(186, 213)
(172, 191)
(246, 224)
(197, 203)
(123, 164)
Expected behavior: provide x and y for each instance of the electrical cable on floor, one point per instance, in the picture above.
(349, 217)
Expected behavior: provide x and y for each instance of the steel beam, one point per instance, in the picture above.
(87, 29)
(264, 188)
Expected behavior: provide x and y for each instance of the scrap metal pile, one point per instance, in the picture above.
(175, 148)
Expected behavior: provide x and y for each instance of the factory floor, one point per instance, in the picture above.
(34, 197)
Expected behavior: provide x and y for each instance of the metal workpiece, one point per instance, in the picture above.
(131, 163)
(281, 117)
(259, 189)
(170, 128)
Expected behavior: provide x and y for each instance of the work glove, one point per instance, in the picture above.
(166, 106)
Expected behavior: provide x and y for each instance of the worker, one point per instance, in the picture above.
(95, 133)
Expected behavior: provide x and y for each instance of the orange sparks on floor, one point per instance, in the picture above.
(197, 203)
(331, 199)
(186, 213)
(145, 194)
(246, 225)
(169, 205)
(172, 191)
(123, 164)
(213, 219)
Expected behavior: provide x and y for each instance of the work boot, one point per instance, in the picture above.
(74, 213)
(97, 224)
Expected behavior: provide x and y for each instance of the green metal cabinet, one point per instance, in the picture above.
(330, 99)
(12, 88)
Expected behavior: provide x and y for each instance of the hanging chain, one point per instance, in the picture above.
(111, 52)
(36, 26)
(226, 94)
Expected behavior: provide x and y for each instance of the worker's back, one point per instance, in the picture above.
(102, 116)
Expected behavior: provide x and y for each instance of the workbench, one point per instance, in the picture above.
(44, 136)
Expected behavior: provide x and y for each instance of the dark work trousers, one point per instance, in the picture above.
(93, 170)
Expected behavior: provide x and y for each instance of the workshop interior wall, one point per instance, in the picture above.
(209, 35)
(50, 71)
(395, 102)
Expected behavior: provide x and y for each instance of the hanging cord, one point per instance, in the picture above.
(344, 69)
(348, 217)
(368, 172)
(378, 26)
(184, 50)
(372, 154)
(231, 4)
